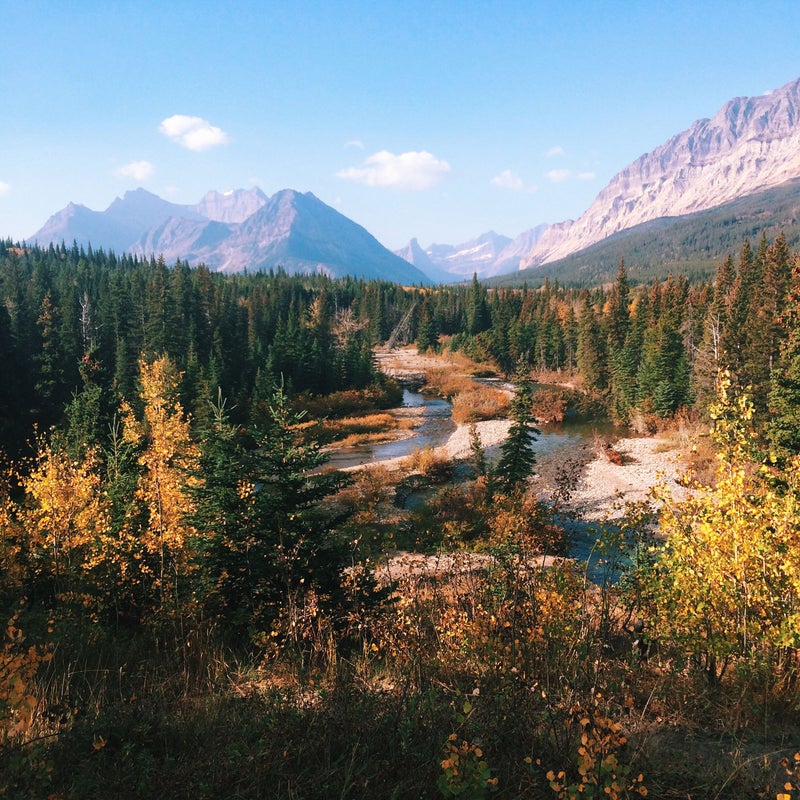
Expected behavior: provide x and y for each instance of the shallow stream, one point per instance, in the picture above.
(434, 431)
(557, 446)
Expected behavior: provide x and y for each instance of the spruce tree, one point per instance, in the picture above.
(263, 539)
(517, 455)
(478, 316)
(783, 424)
(591, 351)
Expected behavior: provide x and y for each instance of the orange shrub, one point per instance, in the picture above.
(479, 402)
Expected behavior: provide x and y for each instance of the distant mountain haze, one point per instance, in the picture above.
(234, 231)
(750, 145)
(489, 255)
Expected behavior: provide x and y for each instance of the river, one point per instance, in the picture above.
(557, 442)
(556, 446)
(435, 429)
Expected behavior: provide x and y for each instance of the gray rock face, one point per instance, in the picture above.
(233, 206)
(234, 231)
(476, 256)
(510, 257)
(751, 144)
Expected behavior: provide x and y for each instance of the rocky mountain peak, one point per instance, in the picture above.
(750, 144)
(232, 206)
(234, 231)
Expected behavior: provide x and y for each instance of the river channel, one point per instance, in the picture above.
(433, 431)
(556, 446)
(557, 442)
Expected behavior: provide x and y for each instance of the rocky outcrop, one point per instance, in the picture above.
(751, 144)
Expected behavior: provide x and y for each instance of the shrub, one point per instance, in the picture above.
(430, 463)
(549, 405)
(478, 404)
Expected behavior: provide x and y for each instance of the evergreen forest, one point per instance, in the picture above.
(193, 605)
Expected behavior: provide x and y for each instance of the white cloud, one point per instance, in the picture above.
(138, 170)
(508, 180)
(558, 150)
(586, 176)
(413, 170)
(5, 188)
(194, 133)
(357, 143)
(559, 175)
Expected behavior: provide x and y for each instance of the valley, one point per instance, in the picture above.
(233, 518)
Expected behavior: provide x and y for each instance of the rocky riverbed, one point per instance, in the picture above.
(603, 486)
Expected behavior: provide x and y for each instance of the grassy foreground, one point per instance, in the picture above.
(507, 681)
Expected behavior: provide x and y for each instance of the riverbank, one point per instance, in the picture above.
(604, 487)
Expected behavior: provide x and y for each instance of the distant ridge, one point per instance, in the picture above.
(234, 231)
(691, 244)
(488, 255)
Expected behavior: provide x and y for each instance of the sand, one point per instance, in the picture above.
(605, 487)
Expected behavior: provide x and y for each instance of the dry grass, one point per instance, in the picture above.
(563, 378)
(549, 405)
(447, 383)
(429, 462)
(479, 403)
(351, 431)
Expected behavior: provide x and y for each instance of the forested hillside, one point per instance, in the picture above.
(194, 606)
(76, 321)
(690, 245)
(74, 326)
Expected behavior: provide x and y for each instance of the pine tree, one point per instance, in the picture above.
(591, 351)
(764, 320)
(478, 317)
(262, 540)
(618, 311)
(517, 454)
(783, 424)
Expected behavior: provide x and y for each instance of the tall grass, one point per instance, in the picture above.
(479, 403)
(530, 667)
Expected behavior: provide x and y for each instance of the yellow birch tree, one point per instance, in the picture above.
(65, 517)
(726, 584)
(167, 458)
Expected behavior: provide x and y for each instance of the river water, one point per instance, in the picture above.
(556, 446)
(435, 430)
(557, 442)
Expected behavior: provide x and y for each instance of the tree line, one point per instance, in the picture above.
(74, 320)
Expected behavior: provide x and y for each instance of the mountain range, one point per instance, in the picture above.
(235, 231)
(489, 255)
(751, 145)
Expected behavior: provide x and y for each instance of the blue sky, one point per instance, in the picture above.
(435, 120)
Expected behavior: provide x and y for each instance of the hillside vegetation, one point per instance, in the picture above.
(690, 245)
(193, 606)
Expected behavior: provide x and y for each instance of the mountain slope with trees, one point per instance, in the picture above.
(690, 245)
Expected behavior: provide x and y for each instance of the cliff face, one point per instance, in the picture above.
(752, 143)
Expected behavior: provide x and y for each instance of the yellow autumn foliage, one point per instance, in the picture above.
(66, 513)
(727, 581)
(168, 459)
